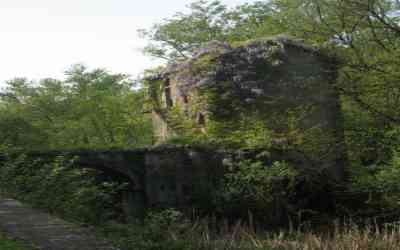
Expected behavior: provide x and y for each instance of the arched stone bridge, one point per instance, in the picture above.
(158, 176)
(168, 175)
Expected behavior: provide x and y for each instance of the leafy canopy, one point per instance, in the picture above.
(89, 109)
(179, 36)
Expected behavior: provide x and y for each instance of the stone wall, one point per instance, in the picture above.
(175, 176)
(159, 177)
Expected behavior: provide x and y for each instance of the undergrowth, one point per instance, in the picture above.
(8, 244)
(161, 233)
(243, 208)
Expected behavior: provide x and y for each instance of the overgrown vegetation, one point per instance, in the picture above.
(90, 109)
(81, 195)
(8, 244)
(97, 109)
(180, 235)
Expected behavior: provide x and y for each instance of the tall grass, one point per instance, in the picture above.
(182, 235)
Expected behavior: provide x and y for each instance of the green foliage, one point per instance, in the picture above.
(381, 184)
(245, 133)
(90, 109)
(8, 244)
(263, 191)
(179, 36)
(365, 36)
(164, 229)
(184, 127)
(202, 236)
(57, 186)
(153, 89)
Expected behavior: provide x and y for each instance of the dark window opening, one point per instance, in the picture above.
(168, 97)
(185, 99)
(201, 120)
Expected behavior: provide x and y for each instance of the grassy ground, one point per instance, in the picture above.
(7, 244)
(198, 236)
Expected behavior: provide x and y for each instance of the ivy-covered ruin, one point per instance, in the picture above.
(275, 93)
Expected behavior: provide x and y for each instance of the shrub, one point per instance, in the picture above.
(55, 184)
(379, 185)
(252, 187)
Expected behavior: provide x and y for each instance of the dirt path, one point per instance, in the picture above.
(44, 231)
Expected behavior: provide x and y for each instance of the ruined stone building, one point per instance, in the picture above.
(269, 80)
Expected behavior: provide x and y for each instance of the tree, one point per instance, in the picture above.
(178, 37)
(107, 111)
(90, 109)
(365, 35)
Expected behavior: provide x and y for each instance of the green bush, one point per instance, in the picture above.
(252, 187)
(161, 230)
(380, 187)
(58, 186)
(7, 244)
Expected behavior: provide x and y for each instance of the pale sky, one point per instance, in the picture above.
(43, 38)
